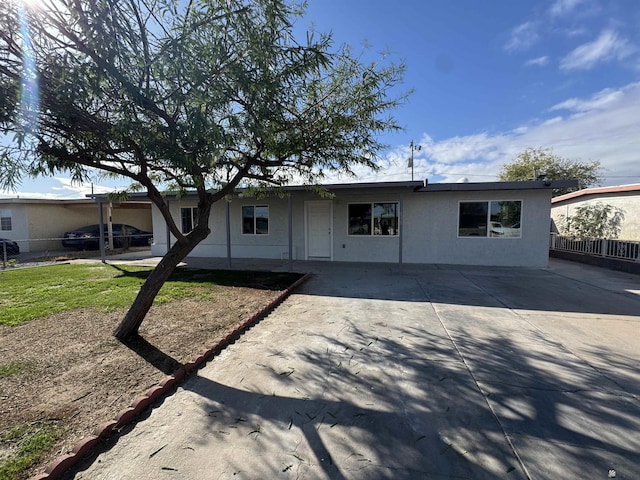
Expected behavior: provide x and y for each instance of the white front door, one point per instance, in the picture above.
(318, 215)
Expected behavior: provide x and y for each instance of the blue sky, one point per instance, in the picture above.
(490, 78)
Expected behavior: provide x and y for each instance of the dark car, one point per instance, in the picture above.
(12, 248)
(88, 238)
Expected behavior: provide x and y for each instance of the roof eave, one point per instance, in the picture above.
(485, 186)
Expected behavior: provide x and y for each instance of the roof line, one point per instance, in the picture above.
(420, 186)
(480, 186)
(634, 187)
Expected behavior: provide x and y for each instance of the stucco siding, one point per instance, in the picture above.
(431, 231)
(272, 245)
(429, 235)
(19, 226)
(48, 222)
(363, 248)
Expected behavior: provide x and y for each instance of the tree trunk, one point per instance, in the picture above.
(130, 324)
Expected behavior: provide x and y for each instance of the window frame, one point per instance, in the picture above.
(372, 228)
(6, 220)
(193, 215)
(255, 217)
(488, 218)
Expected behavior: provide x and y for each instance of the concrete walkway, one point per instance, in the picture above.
(429, 372)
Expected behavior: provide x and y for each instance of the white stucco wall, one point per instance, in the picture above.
(19, 227)
(272, 245)
(628, 202)
(363, 248)
(430, 232)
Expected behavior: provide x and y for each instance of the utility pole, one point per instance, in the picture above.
(413, 147)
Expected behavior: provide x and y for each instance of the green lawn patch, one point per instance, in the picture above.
(28, 442)
(31, 293)
(13, 368)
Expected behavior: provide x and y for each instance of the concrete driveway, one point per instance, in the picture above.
(429, 372)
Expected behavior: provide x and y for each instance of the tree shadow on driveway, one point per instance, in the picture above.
(373, 410)
(408, 376)
(382, 407)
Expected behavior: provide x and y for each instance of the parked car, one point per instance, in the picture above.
(139, 238)
(88, 238)
(12, 248)
(498, 230)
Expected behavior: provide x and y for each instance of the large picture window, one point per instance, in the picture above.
(495, 218)
(255, 220)
(189, 216)
(5, 220)
(373, 219)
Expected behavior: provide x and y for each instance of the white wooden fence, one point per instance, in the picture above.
(601, 247)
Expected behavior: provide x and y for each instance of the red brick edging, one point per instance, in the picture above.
(127, 415)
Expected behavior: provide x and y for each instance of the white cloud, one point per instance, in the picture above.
(603, 126)
(600, 100)
(608, 46)
(552, 121)
(69, 188)
(522, 37)
(30, 195)
(563, 7)
(575, 32)
(537, 62)
(61, 188)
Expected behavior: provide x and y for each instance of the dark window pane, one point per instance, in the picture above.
(248, 226)
(360, 219)
(385, 219)
(262, 220)
(187, 219)
(505, 218)
(472, 221)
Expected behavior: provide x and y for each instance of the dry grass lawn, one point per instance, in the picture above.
(64, 374)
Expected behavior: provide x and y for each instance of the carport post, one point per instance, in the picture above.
(168, 230)
(400, 228)
(228, 222)
(101, 231)
(290, 232)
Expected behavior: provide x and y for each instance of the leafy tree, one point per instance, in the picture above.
(533, 162)
(194, 95)
(592, 220)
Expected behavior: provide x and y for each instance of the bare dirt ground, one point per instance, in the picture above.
(76, 375)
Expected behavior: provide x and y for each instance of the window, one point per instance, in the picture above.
(494, 218)
(373, 219)
(189, 216)
(5, 220)
(255, 220)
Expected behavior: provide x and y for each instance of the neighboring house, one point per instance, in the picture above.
(38, 225)
(497, 223)
(626, 198)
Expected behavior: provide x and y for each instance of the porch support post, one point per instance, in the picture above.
(228, 221)
(400, 228)
(290, 231)
(110, 226)
(168, 230)
(101, 231)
